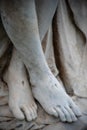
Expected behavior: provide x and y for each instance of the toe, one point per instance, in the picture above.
(35, 112)
(75, 109)
(18, 113)
(53, 112)
(67, 114)
(61, 114)
(35, 106)
(71, 113)
(32, 113)
(28, 114)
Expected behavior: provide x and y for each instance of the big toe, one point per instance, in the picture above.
(53, 112)
(17, 113)
(61, 114)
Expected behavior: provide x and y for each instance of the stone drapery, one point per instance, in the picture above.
(64, 46)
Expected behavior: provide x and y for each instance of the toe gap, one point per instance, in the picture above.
(20, 125)
(59, 106)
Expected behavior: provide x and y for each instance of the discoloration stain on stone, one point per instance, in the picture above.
(23, 82)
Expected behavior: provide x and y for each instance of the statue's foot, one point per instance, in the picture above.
(21, 101)
(53, 98)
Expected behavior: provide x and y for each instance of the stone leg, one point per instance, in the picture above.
(49, 52)
(44, 16)
(48, 47)
(20, 21)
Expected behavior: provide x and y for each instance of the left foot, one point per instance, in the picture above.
(21, 101)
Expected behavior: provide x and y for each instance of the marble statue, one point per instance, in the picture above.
(28, 75)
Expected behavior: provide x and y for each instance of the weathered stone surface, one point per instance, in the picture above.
(71, 45)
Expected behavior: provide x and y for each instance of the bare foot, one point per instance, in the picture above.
(21, 101)
(47, 89)
(53, 98)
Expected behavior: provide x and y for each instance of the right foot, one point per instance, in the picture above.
(21, 101)
(53, 98)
